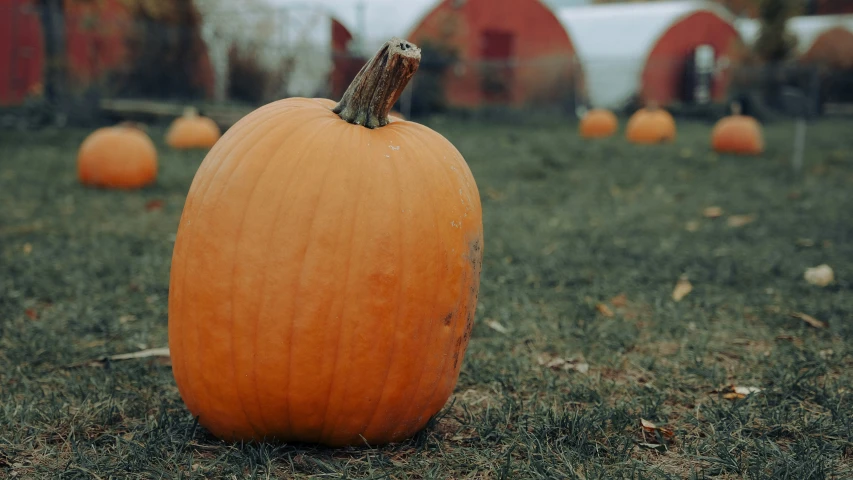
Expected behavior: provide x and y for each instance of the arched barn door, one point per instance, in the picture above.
(697, 81)
(496, 74)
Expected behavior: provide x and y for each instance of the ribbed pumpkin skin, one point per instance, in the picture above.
(649, 126)
(737, 134)
(192, 132)
(324, 278)
(117, 157)
(598, 123)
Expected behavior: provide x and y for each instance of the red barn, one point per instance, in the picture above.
(511, 52)
(832, 48)
(345, 63)
(825, 40)
(96, 35)
(654, 52)
(21, 51)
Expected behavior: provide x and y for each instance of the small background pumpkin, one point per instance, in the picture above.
(598, 123)
(737, 134)
(192, 131)
(122, 156)
(650, 125)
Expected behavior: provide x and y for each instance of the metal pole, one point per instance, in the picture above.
(799, 144)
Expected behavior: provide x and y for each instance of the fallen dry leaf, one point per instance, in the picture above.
(153, 205)
(810, 320)
(604, 310)
(494, 325)
(94, 343)
(804, 242)
(28, 248)
(151, 352)
(32, 314)
(733, 392)
(157, 353)
(682, 288)
(736, 221)
(653, 446)
(650, 427)
(821, 275)
(692, 226)
(619, 301)
(558, 363)
(712, 212)
(551, 248)
(493, 194)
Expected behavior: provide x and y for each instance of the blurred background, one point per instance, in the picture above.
(87, 62)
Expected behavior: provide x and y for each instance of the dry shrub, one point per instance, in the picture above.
(167, 56)
(249, 81)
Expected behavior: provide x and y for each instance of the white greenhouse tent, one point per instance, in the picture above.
(279, 33)
(614, 41)
(377, 20)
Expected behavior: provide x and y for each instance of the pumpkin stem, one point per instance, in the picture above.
(735, 108)
(190, 112)
(378, 85)
(133, 125)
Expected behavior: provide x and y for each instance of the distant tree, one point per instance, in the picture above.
(165, 49)
(745, 8)
(775, 43)
(53, 25)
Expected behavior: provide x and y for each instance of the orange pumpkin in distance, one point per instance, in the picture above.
(121, 157)
(192, 131)
(326, 269)
(650, 125)
(598, 123)
(737, 134)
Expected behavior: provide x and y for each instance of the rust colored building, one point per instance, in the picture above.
(21, 51)
(661, 52)
(96, 39)
(345, 63)
(511, 52)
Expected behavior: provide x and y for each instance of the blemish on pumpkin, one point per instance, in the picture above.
(448, 318)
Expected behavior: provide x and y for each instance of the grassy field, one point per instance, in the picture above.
(577, 336)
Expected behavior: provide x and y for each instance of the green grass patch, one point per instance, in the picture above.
(584, 242)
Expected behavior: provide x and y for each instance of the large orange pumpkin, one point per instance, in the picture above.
(598, 123)
(326, 268)
(650, 125)
(192, 131)
(117, 157)
(738, 134)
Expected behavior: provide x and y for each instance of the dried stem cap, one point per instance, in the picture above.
(379, 84)
(735, 106)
